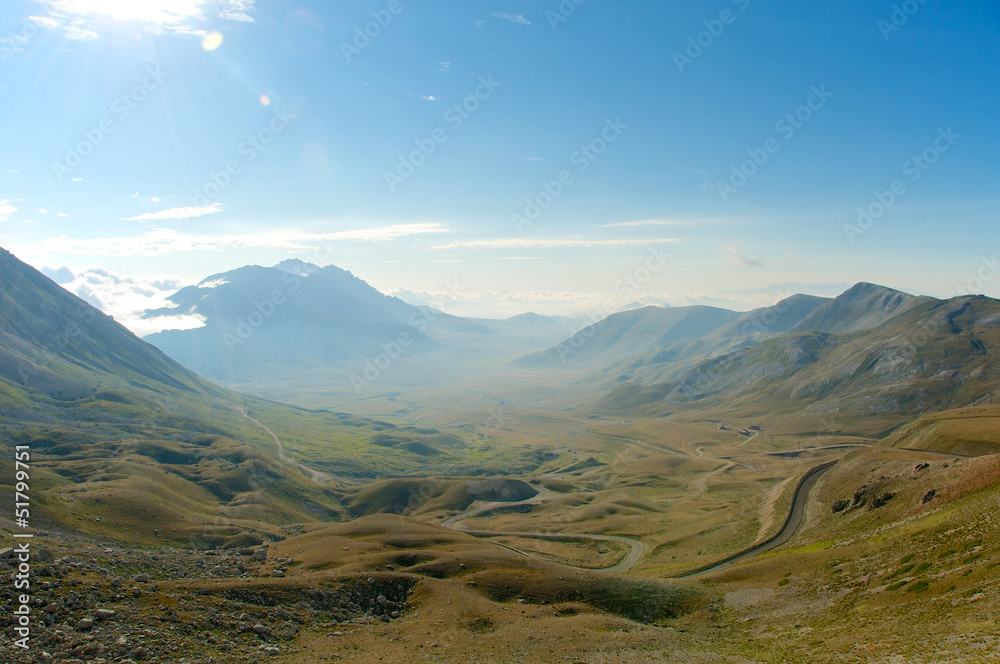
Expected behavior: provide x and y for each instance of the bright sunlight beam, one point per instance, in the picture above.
(163, 12)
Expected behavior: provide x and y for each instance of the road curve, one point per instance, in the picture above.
(636, 548)
(792, 523)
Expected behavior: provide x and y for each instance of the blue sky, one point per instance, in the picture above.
(413, 157)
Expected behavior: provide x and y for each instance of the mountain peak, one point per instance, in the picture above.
(864, 288)
(861, 307)
(297, 267)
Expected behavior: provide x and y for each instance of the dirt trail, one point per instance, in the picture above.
(314, 474)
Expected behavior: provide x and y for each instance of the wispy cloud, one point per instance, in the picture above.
(522, 243)
(179, 213)
(6, 209)
(126, 297)
(513, 18)
(740, 259)
(533, 158)
(445, 66)
(648, 222)
(161, 242)
(428, 97)
(517, 258)
(85, 19)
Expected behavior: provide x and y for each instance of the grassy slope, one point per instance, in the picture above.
(912, 579)
(119, 432)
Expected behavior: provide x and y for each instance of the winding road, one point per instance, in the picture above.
(636, 548)
(792, 523)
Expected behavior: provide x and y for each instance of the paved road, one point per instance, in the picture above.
(792, 523)
(636, 548)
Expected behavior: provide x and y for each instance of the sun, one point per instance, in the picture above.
(163, 12)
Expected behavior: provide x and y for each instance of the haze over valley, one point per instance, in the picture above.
(551, 332)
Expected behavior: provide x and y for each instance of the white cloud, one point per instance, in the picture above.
(533, 158)
(179, 213)
(154, 199)
(517, 258)
(126, 297)
(523, 243)
(6, 209)
(84, 19)
(445, 66)
(61, 214)
(514, 18)
(160, 242)
(428, 97)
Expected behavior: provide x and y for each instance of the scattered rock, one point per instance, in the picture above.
(840, 506)
(929, 496)
(141, 578)
(84, 625)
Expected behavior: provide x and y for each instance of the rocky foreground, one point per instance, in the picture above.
(103, 602)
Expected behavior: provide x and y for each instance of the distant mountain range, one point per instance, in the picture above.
(295, 315)
(871, 351)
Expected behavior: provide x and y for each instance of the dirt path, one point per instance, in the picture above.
(314, 474)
